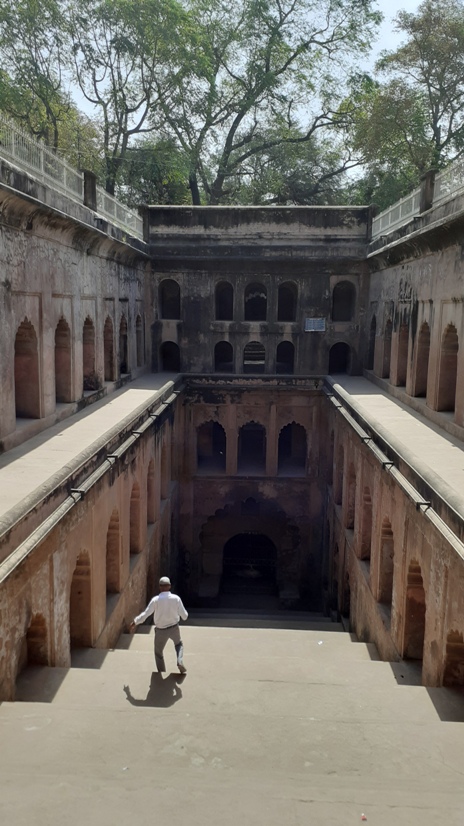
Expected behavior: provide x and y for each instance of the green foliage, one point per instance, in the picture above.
(154, 172)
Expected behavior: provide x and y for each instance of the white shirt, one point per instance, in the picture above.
(167, 609)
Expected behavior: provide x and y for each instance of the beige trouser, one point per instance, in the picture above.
(162, 635)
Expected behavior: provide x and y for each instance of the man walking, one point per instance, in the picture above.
(168, 610)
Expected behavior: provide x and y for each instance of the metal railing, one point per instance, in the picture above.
(44, 165)
(448, 184)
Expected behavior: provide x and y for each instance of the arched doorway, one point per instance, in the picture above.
(249, 565)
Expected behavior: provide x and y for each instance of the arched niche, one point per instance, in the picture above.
(287, 302)
(223, 357)
(80, 603)
(135, 539)
(292, 450)
(255, 302)
(343, 301)
(371, 346)
(91, 381)
(63, 362)
(211, 448)
(448, 369)
(123, 347)
(339, 358)
(251, 448)
(108, 347)
(285, 357)
(139, 341)
(421, 370)
(113, 555)
(26, 372)
(169, 299)
(224, 301)
(254, 357)
(169, 357)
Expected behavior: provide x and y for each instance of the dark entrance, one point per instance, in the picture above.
(249, 565)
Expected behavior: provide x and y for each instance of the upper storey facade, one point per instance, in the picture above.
(276, 290)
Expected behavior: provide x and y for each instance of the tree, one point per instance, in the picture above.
(417, 116)
(122, 52)
(33, 59)
(264, 74)
(154, 172)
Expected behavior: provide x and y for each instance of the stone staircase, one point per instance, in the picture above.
(283, 718)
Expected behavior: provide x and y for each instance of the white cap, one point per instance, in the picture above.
(164, 580)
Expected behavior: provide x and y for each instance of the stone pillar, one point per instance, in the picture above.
(427, 190)
(90, 189)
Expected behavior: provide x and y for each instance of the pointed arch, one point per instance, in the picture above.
(113, 555)
(135, 541)
(88, 356)
(123, 347)
(448, 369)
(292, 450)
(251, 448)
(139, 341)
(80, 603)
(211, 447)
(37, 641)
(223, 357)
(26, 372)
(169, 357)
(340, 358)
(386, 563)
(403, 355)
(414, 614)
(421, 371)
(108, 348)
(63, 361)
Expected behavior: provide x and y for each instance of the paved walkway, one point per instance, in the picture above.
(27, 472)
(436, 456)
(270, 727)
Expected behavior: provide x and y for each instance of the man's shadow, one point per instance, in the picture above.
(163, 691)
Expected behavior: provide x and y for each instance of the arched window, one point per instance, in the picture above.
(169, 357)
(169, 298)
(63, 392)
(255, 302)
(343, 301)
(211, 447)
(223, 357)
(371, 349)
(108, 346)
(135, 544)
(285, 357)
(422, 361)
(292, 450)
(251, 448)
(26, 372)
(80, 603)
(403, 349)
(113, 555)
(387, 342)
(287, 300)
(339, 358)
(224, 300)
(387, 552)
(448, 369)
(254, 357)
(139, 340)
(123, 350)
(91, 381)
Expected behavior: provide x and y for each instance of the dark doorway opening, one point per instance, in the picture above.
(249, 565)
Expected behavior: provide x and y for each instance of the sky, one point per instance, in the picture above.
(389, 39)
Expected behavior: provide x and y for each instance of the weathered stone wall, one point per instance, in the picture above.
(306, 250)
(61, 281)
